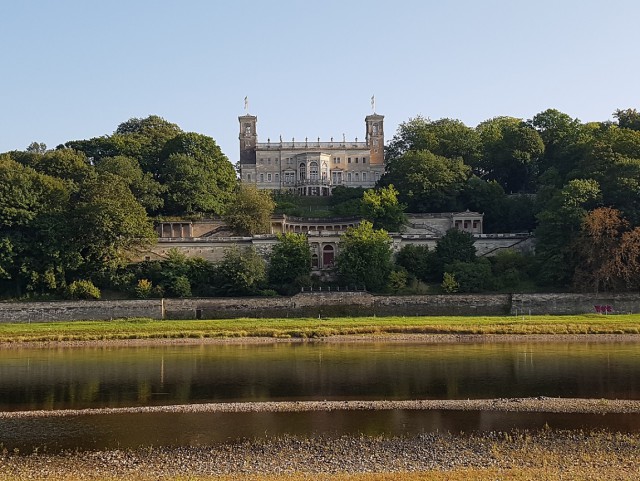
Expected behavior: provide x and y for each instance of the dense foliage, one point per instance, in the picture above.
(70, 217)
(547, 175)
(74, 215)
(365, 257)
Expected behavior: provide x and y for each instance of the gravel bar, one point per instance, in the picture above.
(556, 454)
(538, 404)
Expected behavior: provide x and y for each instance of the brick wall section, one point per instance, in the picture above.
(324, 304)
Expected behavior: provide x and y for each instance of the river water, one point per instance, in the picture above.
(97, 377)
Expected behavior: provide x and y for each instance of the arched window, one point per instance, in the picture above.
(314, 260)
(302, 171)
(313, 171)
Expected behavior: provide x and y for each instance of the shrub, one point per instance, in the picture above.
(181, 287)
(397, 280)
(449, 283)
(472, 276)
(144, 289)
(83, 289)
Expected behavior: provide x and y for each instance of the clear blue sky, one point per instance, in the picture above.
(75, 69)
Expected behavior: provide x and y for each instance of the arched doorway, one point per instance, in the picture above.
(328, 256)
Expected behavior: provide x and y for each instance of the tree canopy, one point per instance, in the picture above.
(365, 257)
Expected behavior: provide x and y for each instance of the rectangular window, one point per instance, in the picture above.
(364, 177)
(356, 160)
(349, 177)
(277, 177)
(364, 160)
(261, 177)
(268, 177)
(349, 160)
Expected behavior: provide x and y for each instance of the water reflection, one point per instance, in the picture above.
(195, 429)
(134, 376)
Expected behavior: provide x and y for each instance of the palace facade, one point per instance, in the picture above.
(311, 167)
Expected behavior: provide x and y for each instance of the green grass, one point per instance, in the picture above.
(315, 328)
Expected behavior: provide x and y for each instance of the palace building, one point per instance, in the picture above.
(311, 167)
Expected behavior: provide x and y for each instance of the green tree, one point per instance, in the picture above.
(241, 273)
(558, 225)
(141, 139)
(250, 210)
(365, 256)
(381, 206)
(66, 164)
(445, 137)
(198, 176)
(426, 182)
(108, 223)
(455, 245)
(34, 251)
(511, 150)
(290, 262)
(418, 260)
(564, 139)
(475, 276)
(628, 118)
(145, 189)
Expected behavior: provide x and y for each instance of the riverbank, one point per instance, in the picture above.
(129, 330)
(540, 404)
(518, 455)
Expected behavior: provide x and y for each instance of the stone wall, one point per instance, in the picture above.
(212, 249)
(522, 304)
(78, 310)
(323, 304)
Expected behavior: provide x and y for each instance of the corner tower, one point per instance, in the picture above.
(248, 139)
(375, 137)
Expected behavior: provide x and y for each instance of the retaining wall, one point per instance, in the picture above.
(324, 304)
(627, 303)
(78, 310)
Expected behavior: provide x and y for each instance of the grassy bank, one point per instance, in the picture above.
(122, 329)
